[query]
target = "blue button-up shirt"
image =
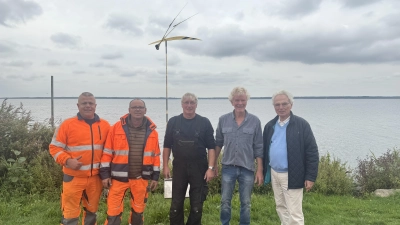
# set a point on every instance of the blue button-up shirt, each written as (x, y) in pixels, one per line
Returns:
(242, 143)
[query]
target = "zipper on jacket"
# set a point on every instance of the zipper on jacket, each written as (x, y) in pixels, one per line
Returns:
(91, 165)
(99, 131)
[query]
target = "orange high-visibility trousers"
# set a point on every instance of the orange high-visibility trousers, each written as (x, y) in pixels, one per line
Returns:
(115, 201)
(81, 189)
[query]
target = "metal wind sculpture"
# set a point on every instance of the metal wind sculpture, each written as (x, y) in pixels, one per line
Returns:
(165, 38)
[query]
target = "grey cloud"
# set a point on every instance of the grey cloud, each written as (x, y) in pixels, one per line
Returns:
(18, 63)
(160, 21)
(369, 14)
(31, 78)
(27, 78)
(78, 72)
(159, 25)
(124, 24)
(134, 73)
(155, 31)
(274, 81)
(170, 72)
(66, 40)
(392, 20)
(12, 77)
(129, 74)
(239, 16)
(164, 22)
(292, 9)
(17, 11)
(359, 45)
(53, 63)
(71, 63)
(185, 77)
(5, 48)
(358, 3)
(112, 56)
(224, 42)
(173, 60)
(103, 65)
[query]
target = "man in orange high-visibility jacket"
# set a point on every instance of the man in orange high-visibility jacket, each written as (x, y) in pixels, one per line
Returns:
(131, 157)
(77, 145)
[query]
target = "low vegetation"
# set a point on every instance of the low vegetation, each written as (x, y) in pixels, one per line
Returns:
(381, 172)
(318, 209)
(30, 183)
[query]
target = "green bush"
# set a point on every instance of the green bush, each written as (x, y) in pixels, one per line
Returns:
(17, 177)
(379, 173)
(214, 186)
(333, 177)
(23, 148)
(46, 174)
(19, 133)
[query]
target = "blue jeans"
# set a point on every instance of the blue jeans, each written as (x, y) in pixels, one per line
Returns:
(245, 179)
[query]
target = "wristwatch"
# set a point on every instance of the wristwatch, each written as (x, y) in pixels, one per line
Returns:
(211, 168)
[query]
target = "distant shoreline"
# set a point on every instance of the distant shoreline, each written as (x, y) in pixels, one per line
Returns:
(301, 97)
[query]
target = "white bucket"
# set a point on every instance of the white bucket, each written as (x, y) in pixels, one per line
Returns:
(168, 188)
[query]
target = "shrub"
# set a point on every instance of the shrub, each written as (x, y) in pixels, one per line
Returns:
(17, 177)
(379, 173)
(46, 174)
(214, 186)
(333, 177)
(18, 132)
(23, 144)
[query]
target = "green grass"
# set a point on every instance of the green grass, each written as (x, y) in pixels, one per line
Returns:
(318, 209)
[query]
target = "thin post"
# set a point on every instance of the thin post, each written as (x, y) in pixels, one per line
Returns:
(52, 103)
(166, 83)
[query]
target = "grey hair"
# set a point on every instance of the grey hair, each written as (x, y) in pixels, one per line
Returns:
(189, 96)
(137, 99)
(239, 91)
(283, 92)
(86, 94)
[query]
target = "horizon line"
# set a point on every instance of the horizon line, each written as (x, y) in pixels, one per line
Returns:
(299, 97)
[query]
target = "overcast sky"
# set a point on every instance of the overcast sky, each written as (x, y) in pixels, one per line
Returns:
(308, 47)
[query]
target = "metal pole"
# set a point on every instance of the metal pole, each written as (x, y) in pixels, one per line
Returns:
(166, 83)
(52, 103)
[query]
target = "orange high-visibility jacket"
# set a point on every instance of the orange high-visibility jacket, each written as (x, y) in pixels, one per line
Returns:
(114, 162)
(73, 138)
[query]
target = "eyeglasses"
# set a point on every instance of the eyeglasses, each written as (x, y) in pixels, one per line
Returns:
(189, 103)
(137, 107)
(284, 105)
(87, 103)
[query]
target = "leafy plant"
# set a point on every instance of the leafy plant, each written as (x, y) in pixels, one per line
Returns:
(333, 177)
(17, 176)
(379, 172)
(22, 143)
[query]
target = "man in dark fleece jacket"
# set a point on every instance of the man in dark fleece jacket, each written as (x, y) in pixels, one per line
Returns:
(290, 159)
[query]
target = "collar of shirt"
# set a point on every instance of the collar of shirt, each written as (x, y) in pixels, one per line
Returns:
(282, 123)
(245, 117)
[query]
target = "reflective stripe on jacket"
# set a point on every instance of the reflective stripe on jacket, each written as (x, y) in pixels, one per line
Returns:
(74, 138)
(114, 162)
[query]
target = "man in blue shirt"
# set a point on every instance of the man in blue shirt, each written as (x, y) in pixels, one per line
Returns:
(240, 133)
(290, 159)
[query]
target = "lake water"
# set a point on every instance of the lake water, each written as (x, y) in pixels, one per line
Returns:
(346, 128)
